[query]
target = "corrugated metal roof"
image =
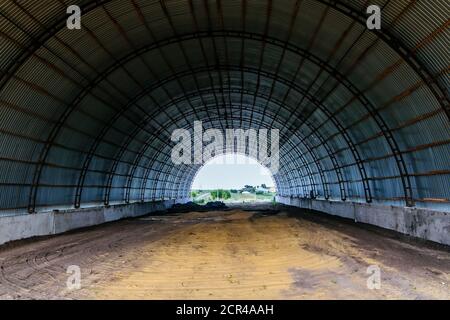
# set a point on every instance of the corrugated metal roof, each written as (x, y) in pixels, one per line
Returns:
(86, 115)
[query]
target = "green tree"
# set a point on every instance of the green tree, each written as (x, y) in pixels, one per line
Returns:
(226, 194)
(220, 194)
(194, 194)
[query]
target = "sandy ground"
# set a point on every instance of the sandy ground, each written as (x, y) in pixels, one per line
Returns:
(263, 252)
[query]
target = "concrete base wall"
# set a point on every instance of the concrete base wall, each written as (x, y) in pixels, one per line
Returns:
(422, 223)
(417, 222)
(54, 222)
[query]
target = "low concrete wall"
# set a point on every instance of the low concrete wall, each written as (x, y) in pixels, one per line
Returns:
(422, 223)
(54, 222)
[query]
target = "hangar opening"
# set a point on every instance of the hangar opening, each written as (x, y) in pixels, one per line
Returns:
(99, 120)
(233, 178)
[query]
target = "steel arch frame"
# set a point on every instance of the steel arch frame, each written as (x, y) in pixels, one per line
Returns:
(308, 56)
(194, 94)
(393, 42)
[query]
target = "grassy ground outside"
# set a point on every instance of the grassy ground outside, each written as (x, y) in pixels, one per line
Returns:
(204, 196)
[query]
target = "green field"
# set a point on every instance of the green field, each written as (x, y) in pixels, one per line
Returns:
(204, 196)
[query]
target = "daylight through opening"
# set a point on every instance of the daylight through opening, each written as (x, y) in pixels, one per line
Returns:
(233, 178)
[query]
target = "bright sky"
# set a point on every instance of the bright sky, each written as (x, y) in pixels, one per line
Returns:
(232, 172)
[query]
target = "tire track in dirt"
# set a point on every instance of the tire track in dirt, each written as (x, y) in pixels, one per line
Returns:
(257, 253)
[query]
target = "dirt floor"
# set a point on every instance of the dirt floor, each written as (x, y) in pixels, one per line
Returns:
(262, 252)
